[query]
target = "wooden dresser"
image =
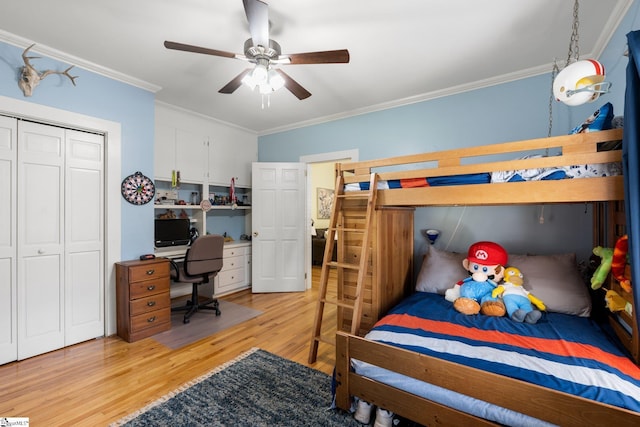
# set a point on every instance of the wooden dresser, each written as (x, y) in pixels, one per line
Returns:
(390, 274)
(143, 299)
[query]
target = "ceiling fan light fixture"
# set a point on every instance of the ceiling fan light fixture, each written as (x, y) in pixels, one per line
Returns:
(260, 74)
(275, 80)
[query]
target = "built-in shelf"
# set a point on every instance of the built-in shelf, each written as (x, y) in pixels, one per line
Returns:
(198, 207)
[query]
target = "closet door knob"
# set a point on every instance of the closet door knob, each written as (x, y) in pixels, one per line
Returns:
(40, 251)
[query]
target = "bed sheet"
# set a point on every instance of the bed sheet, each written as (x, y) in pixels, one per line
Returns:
(540, 174)
(576, 355)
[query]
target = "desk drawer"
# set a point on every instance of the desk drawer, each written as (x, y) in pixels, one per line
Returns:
(230, 277)
(150, 303)
(148, 288)
(232, 263)
(148, 271)
(231, 252)
(151, 319)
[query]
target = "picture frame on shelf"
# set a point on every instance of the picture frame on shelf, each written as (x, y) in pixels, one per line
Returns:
(325, 202)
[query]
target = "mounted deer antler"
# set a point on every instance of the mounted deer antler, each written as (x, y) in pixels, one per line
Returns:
(30, 77)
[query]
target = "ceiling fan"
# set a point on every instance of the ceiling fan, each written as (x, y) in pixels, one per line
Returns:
(265, 53)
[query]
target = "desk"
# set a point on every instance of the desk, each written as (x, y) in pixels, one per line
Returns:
(234, 276)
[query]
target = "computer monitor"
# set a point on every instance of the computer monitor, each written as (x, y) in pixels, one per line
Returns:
(172, 232)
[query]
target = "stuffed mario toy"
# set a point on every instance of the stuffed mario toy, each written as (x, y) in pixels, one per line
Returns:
(485, 264)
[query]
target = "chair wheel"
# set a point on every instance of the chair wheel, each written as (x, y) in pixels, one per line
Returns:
(186, 321)
(218, 312)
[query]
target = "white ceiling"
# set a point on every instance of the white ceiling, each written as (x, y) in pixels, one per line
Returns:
(402, 51)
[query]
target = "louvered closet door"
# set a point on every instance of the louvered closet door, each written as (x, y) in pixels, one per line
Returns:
(8, 300)
(60, 238)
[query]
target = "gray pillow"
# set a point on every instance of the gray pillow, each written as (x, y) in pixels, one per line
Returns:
(440, 271)
(555, 280)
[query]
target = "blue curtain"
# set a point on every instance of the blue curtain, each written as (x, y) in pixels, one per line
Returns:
(631, 163)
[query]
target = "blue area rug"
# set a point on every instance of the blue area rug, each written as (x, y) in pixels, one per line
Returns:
(256, 389)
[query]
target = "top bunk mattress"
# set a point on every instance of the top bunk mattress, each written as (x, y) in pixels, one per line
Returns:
(547, 178)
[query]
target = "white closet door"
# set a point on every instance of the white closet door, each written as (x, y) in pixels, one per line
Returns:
(40, 238)
(83, 242)
(8, 299)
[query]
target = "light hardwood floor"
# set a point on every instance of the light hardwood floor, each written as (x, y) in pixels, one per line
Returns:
(99, 381)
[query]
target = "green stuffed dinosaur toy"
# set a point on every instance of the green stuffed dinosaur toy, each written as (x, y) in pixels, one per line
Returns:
(606, 259)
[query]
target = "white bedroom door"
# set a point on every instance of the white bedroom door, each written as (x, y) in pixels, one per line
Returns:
(60, 291)
(278, 226)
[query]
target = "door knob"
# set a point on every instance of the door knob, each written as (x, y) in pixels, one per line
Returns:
(255, 234)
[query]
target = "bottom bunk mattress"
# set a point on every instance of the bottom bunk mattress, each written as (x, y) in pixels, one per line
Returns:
(563, 352)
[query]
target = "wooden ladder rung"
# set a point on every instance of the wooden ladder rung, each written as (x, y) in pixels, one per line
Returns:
(354, 195)
(349, 230)
(325, 340)
(343, 265)
(339, 303)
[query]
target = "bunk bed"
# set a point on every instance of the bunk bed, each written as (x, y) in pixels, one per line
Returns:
(424, 185)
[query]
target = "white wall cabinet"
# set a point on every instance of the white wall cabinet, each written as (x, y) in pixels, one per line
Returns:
(180, 150)
(231, 158)
(52, 258)
(203, 150)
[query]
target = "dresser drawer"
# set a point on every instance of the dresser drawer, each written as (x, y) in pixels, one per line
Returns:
(148, 271)
(157, 318)
(147, 304)
(148, 288)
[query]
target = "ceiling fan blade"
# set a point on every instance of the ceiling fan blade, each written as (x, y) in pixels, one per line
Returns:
(258, 16)
(293, 86)
(197, 49)
(235, 83)
(323, 57)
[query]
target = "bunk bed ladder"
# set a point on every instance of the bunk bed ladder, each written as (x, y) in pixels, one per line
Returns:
(364, 201)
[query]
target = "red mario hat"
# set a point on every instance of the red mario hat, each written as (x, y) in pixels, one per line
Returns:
(487, 253)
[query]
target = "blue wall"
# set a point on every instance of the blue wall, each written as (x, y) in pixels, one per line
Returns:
(107, 99)
(506, 112)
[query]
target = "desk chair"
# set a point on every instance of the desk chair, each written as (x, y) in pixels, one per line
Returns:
(202, 262)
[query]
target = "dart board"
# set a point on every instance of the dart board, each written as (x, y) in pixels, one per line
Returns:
(138, 189)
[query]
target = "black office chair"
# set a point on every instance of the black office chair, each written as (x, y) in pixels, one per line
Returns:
(202, 262)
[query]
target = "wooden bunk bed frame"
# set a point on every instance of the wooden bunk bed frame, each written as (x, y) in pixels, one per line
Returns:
(539, 402)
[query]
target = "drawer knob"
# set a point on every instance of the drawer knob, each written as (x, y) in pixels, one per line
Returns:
(150, 272)
(151, 287)
(151, 319)
(151, 303)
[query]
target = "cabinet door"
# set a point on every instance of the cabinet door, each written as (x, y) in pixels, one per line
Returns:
(191, 156)
(8, 300)
(164, 151)
(229, 159)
